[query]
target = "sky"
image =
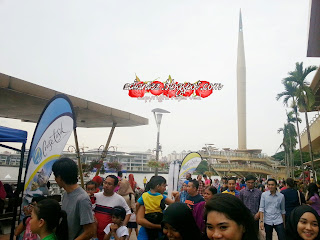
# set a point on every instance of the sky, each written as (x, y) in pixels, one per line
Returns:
(91, 49)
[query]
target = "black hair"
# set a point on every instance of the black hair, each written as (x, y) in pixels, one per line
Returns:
(179, 216)
(116, 180)
(312, 189)
(91, 183)
(67, 170)
(204, 175)
(251, 177)
(232, 178)
(119, 173)
(50, 211)
(272, 180)
(195, 183)
(156, 180)
(148, 185)
(290, 182)
(119, 211)
(234, 209)
(212, 189)
(38, 199)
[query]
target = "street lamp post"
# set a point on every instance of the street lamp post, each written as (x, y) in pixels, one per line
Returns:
(157, 112)
(209, 145)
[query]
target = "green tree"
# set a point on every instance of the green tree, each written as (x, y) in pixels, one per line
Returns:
(304, 96)
(290, 94)
(289, 141)
(202, 167)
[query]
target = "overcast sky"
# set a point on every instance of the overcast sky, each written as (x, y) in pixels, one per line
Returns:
(90, 49)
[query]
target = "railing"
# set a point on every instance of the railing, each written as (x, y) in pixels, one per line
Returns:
(238, 154)
(311, 122)
(245, 167)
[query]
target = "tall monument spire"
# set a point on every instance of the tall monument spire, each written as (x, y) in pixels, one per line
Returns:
(241, 90)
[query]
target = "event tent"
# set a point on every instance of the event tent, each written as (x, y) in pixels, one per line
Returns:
(14, 135)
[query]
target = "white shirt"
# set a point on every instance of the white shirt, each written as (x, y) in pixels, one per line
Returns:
(121, 231)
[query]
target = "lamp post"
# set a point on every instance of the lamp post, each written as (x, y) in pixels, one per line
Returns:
(101, 146)
(157, 112)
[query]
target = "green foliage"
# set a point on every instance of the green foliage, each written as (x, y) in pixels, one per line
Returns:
(202, 167)
(159, 164)
(296, 155)
(114, 166)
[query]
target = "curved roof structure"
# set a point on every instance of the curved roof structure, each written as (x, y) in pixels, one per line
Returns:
(23, 100)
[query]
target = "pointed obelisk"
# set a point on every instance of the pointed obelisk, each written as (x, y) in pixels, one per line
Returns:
(241, 90)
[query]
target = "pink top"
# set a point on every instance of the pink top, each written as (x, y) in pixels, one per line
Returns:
(207, 182)
(28, 234)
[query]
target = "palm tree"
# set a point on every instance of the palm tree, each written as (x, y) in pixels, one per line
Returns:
(292, 136)
(285, 146)
(290, 93)
(289, 142)
(304, 96)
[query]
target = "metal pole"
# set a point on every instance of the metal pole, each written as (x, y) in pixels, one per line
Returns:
(78, 156)
(19, 190)
(105, 150)
(157, 151)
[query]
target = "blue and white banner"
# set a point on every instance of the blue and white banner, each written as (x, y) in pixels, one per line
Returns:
(189, 165)
(53, 130)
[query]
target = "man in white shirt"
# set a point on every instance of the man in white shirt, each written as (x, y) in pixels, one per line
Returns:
(105, 202)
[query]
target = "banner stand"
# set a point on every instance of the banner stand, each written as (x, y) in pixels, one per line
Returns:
(105, 150)
(78, 156)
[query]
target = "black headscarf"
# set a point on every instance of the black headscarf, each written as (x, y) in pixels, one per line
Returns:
(179, 216)
(292, 224)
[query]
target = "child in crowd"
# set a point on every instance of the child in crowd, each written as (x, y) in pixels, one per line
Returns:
(126, 192)
(25, 223)
(116, 230)
(91, 188)
(47, 216)
(99, 182)
(183, 193)
(132, 224)
(154, 202)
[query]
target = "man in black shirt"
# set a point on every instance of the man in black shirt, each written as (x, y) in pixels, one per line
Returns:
(293, 198)
(193, 198)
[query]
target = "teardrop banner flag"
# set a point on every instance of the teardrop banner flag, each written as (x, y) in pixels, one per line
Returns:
(189, 165)
(53, 130)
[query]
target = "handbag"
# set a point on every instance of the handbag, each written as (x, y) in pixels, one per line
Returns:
(299, 197)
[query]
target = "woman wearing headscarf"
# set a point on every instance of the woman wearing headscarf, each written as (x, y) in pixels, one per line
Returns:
(198, 212)
(178, 223)
(126, 192)
(313, 198)
(303, 224)
(132, 182)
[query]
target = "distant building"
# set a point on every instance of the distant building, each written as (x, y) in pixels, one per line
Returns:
(177, 156)
(132, 161)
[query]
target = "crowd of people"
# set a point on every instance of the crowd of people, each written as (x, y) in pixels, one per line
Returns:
(232, 209)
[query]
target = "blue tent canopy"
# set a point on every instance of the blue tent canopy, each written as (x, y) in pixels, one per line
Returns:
(12, 135)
